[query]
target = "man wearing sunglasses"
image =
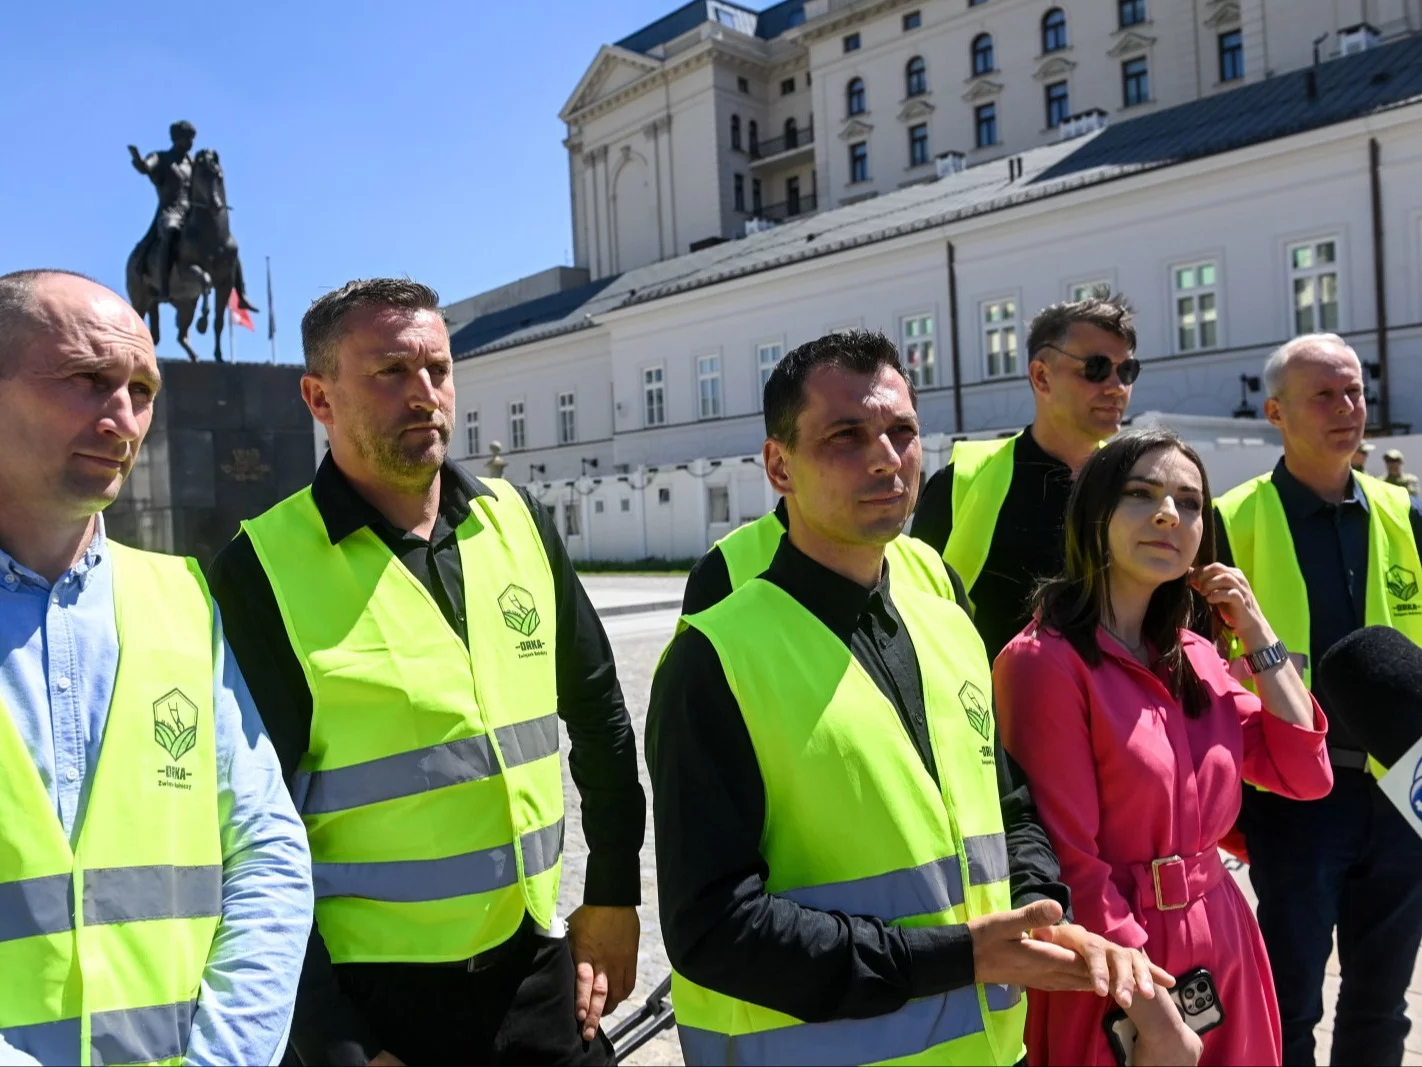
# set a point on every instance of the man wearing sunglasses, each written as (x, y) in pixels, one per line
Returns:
(995, 512)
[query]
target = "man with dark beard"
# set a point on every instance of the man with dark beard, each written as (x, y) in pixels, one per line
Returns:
(412, 635)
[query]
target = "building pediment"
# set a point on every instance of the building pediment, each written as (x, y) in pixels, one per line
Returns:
(1225, 13)
(982, 89)
(613, 69)
(1056, 67)
(855, 129)
(1131, 42)
(916, 108)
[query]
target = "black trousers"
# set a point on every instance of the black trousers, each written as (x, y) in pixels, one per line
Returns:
(517, 1010)
(1348, 860)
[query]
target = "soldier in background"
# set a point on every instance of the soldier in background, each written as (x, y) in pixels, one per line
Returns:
(1395, 474)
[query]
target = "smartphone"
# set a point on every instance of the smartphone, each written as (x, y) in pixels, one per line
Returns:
(1194, 995)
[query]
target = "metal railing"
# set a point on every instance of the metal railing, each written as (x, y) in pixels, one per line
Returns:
(788, 209)
(773, 146)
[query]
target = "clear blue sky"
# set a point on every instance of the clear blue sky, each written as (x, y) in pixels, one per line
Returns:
(415, 137)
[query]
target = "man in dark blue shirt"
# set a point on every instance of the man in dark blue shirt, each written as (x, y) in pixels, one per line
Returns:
(1347, 860)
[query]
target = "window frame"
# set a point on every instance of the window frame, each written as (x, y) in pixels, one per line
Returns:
(922, 373)
(791, 133)
(987, 328)
(1056, 116)
(1235, 54)
(912, 20)
(981, 51)
(572, 519)
(1084, 288)
(1312, 273)
(518, 425)
(738, 192)
(753, 137)
(919, 155)
(1138, 13)
(787, 85)
(858, 162)
(714, 377)
(1130, 79)
(1194, 293)
(757, 202)
(856, 97)
(762, 371)
(471, 432)
(793, 196)
(650, 387)
(735, 133)
(915, 77)
(1054, 30)
(725, 493)
(567, 417)
(852, 42)
(985, 113)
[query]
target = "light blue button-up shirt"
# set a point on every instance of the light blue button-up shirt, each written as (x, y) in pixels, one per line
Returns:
(58, 660)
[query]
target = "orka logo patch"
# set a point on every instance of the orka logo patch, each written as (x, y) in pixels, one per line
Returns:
(175, 724)
(1401, 582)
(976, 705)
(520, 615)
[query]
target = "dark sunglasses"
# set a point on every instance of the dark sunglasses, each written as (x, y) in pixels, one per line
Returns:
(1096, 369)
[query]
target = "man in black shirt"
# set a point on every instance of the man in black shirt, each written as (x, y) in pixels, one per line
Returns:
(379, 378)
(843, 449)
(1000, 525)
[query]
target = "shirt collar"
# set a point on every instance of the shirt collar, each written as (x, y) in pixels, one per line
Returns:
(83, 569)
(344, 510)
(1027, 450)
(1301, 502)
(835, 600)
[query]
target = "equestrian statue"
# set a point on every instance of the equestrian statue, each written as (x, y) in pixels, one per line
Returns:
(189, 249)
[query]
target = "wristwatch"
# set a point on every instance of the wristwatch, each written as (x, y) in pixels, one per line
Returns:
(1266, 658)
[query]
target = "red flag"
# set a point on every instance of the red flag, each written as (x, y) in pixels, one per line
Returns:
(239, 313)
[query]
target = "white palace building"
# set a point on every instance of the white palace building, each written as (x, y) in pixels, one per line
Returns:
(743, 182)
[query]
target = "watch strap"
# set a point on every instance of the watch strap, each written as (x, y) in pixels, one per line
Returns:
(1266, 658)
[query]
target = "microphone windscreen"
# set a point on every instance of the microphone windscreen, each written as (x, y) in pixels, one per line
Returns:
(1371, 681)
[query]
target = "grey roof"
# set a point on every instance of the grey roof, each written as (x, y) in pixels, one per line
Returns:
(777, 19)
(770, 23)
(1349, 87)
(531, 314)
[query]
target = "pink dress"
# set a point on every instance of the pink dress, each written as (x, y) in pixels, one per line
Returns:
(1121, 777)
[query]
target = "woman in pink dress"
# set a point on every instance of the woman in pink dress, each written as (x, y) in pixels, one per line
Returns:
(1135, 738)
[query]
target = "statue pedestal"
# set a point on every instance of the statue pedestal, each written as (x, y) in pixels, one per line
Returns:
(228, 441)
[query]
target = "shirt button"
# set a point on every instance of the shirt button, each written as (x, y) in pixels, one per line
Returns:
(63, 682)
(54, 599)
(71, 775)
(10, 579)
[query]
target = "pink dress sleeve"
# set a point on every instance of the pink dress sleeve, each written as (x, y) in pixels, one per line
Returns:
(1043, 714)
(1279, 756)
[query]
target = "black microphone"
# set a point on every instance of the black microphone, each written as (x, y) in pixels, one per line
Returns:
(1371, 682)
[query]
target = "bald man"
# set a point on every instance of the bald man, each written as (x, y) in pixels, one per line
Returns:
(154, 878)
(1328, 550)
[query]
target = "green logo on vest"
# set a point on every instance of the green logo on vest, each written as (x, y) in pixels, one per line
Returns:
(519, 613)
(1401, 582)
(175, 724)
(975, 704)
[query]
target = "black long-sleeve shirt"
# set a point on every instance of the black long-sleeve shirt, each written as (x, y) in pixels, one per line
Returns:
(1027, 542)
(603, 759)
(721, 928)
(1331, 546)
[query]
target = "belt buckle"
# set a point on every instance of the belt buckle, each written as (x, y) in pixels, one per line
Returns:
(1155, 866)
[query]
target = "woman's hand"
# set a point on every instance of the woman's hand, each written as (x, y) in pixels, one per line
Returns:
(1227, 591)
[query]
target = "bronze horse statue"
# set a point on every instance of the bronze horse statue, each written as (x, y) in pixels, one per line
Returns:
(207, 259)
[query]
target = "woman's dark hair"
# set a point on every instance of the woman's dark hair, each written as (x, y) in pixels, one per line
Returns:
(1074, 603)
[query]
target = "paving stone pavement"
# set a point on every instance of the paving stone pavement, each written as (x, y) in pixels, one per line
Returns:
(637, 642)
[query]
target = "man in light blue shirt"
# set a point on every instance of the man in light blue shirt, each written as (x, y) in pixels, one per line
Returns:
(78, 376)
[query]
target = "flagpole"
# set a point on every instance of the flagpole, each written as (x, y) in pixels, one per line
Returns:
(271, 313)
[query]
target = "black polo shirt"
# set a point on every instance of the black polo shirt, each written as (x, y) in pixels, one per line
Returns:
(1331, 545)
(721, 928)
(603, 760)
(1027, 541)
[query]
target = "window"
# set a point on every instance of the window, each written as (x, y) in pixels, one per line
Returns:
(572, 519)
(792, 195)
(725, 17)
(912, 21)
(975, 3)
(1196, 307)
(567, 419)
(985, 124)
(859, 161)
(743, 85)
(1000, 338)
(1135, 82)
(1054, 37)
(851, 43)
(916, 77)
(982, 54)
(471, 433)
(654, 396)
(739, 183)
(735, 133)
(718, 503)
(625, 504)
(1058, 107)
(1231, 56)
(664, 494)
(787, 86)
(708, 387)
(918, 145)
(517, 436)
(753, 137)
(1132, 12)
(917, 345)
(1313, 273)
(597, 507)
(792, 134)
(1085, 290)
(755, 196)
(854, 100)
(766, 357)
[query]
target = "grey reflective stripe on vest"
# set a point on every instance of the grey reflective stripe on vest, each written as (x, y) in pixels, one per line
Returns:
(36, 906)
(987, 858)
(45, 905)
(135, 894)
(130, 1035)
(923, 890)
(916, 1027)
(413, 881)
(408, 774)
